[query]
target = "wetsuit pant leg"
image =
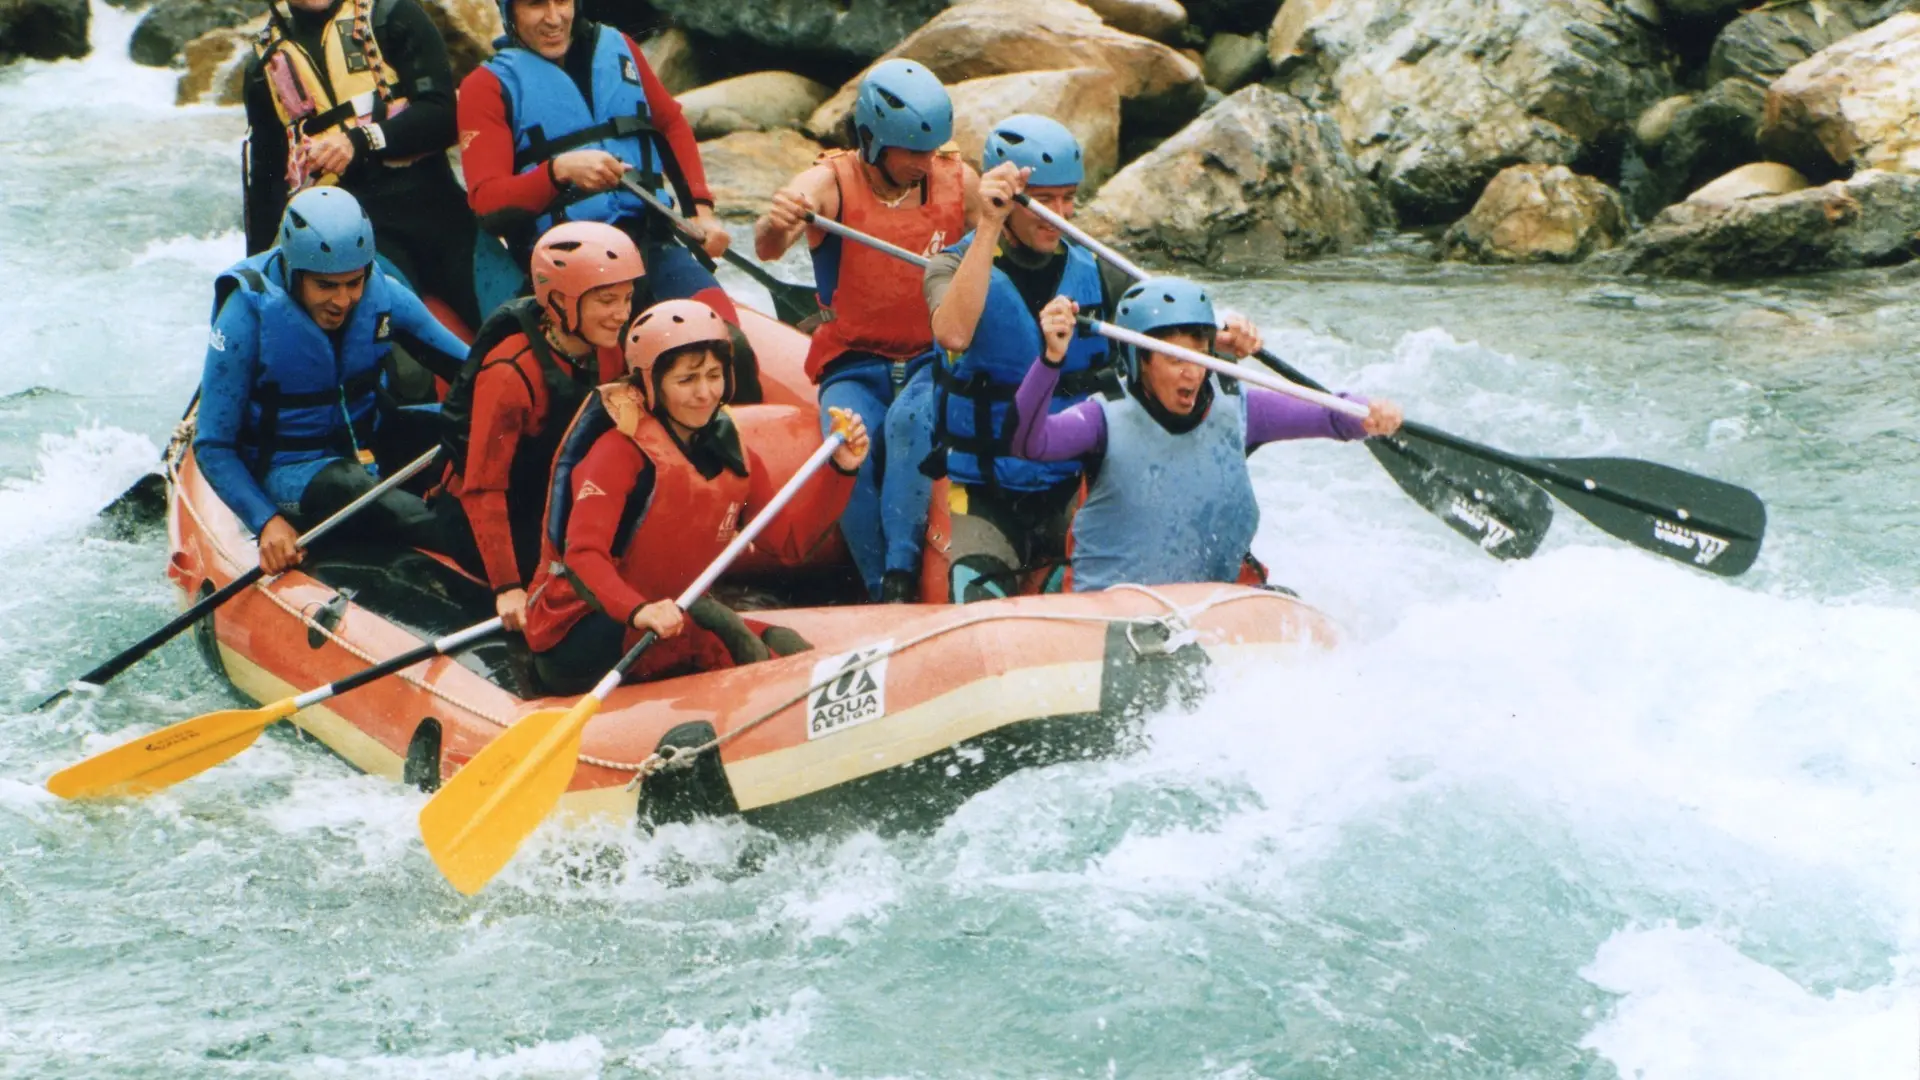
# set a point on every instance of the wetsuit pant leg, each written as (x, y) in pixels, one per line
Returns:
(674, 274)
(397, 518)
(905, 490)
(1002, 536)
(582, 658)
(865, 386)
(456, 539)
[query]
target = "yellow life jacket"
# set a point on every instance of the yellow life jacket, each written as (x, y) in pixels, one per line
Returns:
(364, 86)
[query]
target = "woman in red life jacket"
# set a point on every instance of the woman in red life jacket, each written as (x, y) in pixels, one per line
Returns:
(534, 362)
(650, 485)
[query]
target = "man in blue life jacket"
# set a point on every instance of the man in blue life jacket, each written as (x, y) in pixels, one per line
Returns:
(1010, 516)
(290, 397)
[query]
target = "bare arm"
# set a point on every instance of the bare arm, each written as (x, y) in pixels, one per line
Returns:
(777, 229)
(959, 311)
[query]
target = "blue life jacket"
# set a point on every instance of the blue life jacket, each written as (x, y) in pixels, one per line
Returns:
(973, 418)
(314, 395)
(550, 117)
(1166, 508)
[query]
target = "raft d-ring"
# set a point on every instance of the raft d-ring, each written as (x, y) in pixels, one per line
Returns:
(1178, 636)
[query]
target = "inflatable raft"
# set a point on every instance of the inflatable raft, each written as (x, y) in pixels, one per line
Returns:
(897, 714)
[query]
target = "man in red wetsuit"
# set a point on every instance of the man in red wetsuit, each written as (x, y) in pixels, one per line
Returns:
(552, 122)
(534, 362)
(650, 485)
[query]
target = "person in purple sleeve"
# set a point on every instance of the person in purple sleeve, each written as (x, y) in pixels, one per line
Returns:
(1169, 498)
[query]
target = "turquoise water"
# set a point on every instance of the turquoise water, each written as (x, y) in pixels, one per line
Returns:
(1586, 816)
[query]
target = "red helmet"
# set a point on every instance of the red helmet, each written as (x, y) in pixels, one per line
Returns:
(577, 256)
(667, 326)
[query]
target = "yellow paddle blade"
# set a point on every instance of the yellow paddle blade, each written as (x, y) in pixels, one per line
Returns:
(167, 756)
(476, 822)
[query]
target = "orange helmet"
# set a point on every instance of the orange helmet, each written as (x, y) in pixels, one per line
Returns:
(669, 325)
(577, 256)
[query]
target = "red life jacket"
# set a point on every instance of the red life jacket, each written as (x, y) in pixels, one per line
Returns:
(876, 305)
(688, 520)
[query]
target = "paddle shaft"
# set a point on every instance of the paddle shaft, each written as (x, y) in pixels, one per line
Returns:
(747, 266)
(1231, 370)
(453, 642)
(145, 645)
(719, 565)
(846, 232)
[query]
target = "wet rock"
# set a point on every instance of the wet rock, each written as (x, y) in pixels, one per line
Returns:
(1231, 16)
(1853, 104)
(216, 65)
(1870, 220)
(1656, 123)
(1161, 20)
(745, 169)
(1712, 133)
(1538, 213)
(672, 56)
(1258, 180)
(856, 30)
(42, 29)
(1435, 98)
(1761, 45)
(763, 101)
(1234, 60)
(170, 24)
(1159, 88)
(1086, 100)
(1289, 26)
(1760, 179)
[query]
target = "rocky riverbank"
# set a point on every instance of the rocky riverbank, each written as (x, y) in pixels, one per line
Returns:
(1684, 137)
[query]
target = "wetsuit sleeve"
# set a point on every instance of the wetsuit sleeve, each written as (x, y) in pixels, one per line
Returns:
(423, 336)
(412, 44)
(1074, 432)
(502, 413)
(814, 512)
(487, 160)
(1273, 417)
(265, 162)
(672, 124)
(939, 278)
(226, 381)
(614, 466)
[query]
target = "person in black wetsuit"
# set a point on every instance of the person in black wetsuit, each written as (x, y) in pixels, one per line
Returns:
(360, 93)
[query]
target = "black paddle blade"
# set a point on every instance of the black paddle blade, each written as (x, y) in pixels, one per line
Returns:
(1493, 506)
(1708, 524)
(792, 304)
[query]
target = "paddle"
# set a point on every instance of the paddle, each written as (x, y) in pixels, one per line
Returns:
(484, 812)
(191, 747)
(1484, 501)
(791, 302)
(1697, 520)
(99, 676)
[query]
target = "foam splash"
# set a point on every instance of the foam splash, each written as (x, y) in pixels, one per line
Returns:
(759, 1049)
(78, 475)
(210, 254)
(582, 1056)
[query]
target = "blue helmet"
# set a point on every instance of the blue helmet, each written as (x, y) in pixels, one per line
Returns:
(902, 104)
(1038, 143)
(324, 231)
(1161, 303)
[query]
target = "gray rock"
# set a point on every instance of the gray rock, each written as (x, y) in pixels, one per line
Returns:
(170, 24)
(1435, 98)
(1870, 220)
(42, 29)
(1760, 46)
(1234, 60)
(842, 29)
(1711, 135)
(762, 101)
(1538, 213)
(1256, 181)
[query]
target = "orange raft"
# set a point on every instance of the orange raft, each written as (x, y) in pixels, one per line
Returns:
(897, 714)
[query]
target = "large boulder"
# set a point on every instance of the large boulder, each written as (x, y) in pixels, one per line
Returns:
(1159, 88)
(469, 27)
(1758, 180)
(170, 24)
(1435, 98)
(1256, 180)
(1762, 44)
(675, 59)
(1234, 60)
(1870, 220)
(216, 65)
(745, 169)
(856, 30)
(1161, 20)
(1703, 136)
(1538, 213)
(42, 29)
(1086, 100)
(762, 101)
(1852, 104)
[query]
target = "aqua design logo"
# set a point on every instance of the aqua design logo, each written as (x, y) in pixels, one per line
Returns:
(1708, 548)
(850, 690)
(1493, 531)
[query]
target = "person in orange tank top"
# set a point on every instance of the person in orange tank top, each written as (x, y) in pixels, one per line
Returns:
(870, 353)
(651, 483)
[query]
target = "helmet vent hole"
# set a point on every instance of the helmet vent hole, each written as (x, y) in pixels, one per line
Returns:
(326, 247)
(1048, 158)
(1012, 137)
(565, 245)
(893, 100)
(298, 221)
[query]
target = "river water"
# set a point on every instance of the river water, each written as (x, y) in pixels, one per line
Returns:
(1584, 816)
